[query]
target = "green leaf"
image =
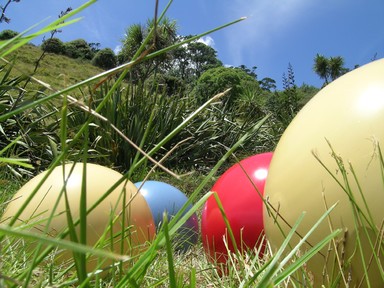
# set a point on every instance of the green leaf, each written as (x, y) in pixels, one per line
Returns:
(17, 161)
(61, 243)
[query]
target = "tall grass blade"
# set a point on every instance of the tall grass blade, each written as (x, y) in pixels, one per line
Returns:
(273, 267)
(14, 161)
(61, 243)
(304, 258)
(17, 161)
(109, 72)
(19, 41)
(168, 246)
(270, 278)
(146, 258)
(227, 224)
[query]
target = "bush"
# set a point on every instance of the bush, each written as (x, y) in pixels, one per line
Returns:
(218, 79)
(105, 59)
(167, 84)
(78, 49)
(7, 34)
(53, 45)
(34, 128)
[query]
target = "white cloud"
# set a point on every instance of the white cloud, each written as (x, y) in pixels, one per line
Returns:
(207, 40)
(117, 49)
(266, 20)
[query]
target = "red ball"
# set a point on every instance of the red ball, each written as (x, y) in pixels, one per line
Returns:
(240, 191)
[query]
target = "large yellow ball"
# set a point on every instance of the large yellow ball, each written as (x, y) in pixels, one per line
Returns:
(138, 221)
(349, 113)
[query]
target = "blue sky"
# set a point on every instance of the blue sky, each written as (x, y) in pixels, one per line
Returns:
(275, 33)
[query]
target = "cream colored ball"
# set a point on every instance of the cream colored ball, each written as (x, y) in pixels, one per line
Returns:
(349, 113)
(49, 199)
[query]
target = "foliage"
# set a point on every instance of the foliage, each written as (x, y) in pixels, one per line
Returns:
(32, 128)
(7, 34)
(250, 104)
(53, 45)
(78, 48)
(167, 84)
(95, 47)
(102, 125)
(250, 71)
(284, 105)
(305, 93)
(134, 37)
(145, 116)
(190, 61)
(148, 38)
(105, 59)
(267, 84)
(218, 79)
(330, 68)
(291, 95)
(216, 131)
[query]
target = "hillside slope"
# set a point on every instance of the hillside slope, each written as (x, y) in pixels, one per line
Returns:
(57, 70)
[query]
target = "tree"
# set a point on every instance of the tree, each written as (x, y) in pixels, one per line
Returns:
(321, 67)
(251, 72)
(267, 84)
(53, 45)
(285, 104)
(134, 37)
(78, 48)
(191, 60)
(166, 84)
(336, 67)
(7, 34)
(291, 101)
(160, 37)
(95, 47)
(329, 69)
(218, 79)
(105, 59)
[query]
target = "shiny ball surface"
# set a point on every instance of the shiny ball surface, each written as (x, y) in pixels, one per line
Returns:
(163, 197)
(104, 220)
(240, 190)
(341, 127)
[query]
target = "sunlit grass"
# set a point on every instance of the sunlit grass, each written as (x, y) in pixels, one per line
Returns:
(159, 265)
(57, 70)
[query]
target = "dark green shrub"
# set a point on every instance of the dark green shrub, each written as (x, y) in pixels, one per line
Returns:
(218, 79)
(167, 84)
(105, 59)
(7, 34)
(53, 45)
(143, 116)
(34, 128)
(78, 49)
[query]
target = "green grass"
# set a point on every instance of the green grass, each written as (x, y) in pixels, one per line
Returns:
(56, 70)
(159, 265)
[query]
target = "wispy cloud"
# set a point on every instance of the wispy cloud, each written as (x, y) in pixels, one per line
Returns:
(207, 40)
(117, 49)
(266, 19)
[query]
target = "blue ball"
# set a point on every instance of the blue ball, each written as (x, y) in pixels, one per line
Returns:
(163, 197)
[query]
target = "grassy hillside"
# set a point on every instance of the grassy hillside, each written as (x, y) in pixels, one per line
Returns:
(57, 70)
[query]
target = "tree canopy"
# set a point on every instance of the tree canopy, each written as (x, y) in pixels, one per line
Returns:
(191, 60)
(160, 36)
(218, 79)
(105, 59)
(330, 68)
